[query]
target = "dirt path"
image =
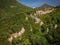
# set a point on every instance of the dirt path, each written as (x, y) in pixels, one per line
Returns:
(37, 20)
(17, 34)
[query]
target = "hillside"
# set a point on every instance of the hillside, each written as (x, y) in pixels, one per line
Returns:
(12, 19)
(19, 25)
(52, 21)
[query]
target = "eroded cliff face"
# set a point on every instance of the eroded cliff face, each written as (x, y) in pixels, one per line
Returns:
(41, 12)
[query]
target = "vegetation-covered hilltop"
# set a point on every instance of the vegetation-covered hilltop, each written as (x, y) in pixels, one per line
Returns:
(44, 7)
(19, 26)
(13, 6)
